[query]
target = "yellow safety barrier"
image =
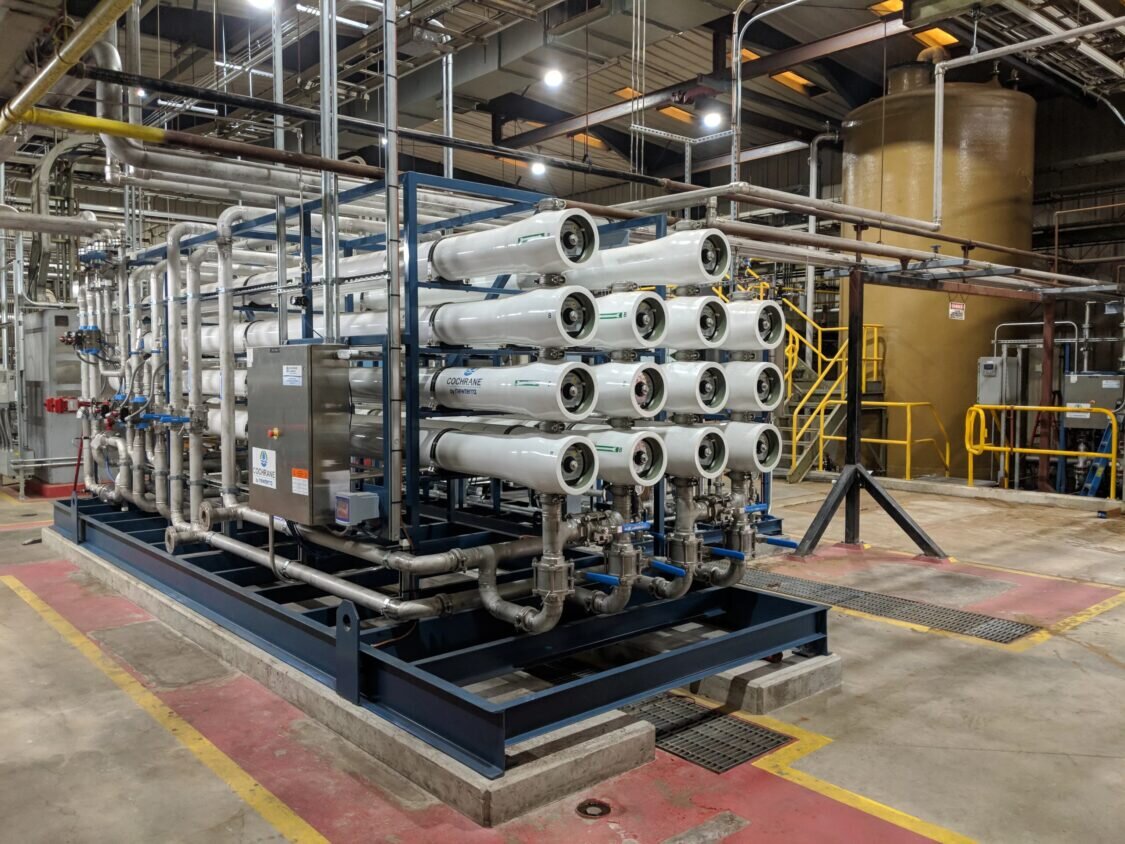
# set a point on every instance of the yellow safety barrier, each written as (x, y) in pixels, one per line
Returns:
(908, 441)
(872, 362)
(975, 421)
(841, 362)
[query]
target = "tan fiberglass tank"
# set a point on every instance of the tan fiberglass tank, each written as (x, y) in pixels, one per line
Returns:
(987, 195)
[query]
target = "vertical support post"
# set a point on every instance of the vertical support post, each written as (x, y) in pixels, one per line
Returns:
(854, 404)
(410, 337)
(306, 275)
(1046, 393)
(279, 144)
(392, 361)
(329, 182)
(447, 113)
(658, 491)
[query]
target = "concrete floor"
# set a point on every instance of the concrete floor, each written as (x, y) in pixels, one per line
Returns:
(931, 736)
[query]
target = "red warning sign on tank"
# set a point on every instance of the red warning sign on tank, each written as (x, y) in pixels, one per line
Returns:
(957, 310)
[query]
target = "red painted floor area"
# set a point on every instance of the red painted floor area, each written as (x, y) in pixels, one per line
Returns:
(1025, 597)
(269, 739)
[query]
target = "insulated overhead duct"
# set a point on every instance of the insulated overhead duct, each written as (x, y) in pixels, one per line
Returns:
(695, 387)
(562, 392)
(552, 242)
(698, 257)
(756, 326)
(627, 457)
(752, 446)
(636, 320)
(697, 322)
(564, 464)
(754, 386)
(693, 452)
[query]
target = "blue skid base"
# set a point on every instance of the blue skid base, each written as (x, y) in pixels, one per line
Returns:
(416, 682)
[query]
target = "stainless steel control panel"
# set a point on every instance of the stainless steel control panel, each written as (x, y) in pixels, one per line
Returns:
(300, 407)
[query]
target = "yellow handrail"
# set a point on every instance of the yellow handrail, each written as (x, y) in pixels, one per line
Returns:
(841, 361)
(976, 446)
(908, 441)
(871, 363)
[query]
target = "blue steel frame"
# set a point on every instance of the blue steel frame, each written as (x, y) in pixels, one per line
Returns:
(417, 681)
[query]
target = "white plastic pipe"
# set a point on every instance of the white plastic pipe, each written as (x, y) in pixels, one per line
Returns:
(698, 451)
(562, 392)
(697, 322)
(630, 390)
(627, 457)
(695, 387)
(755, 326)
(546, 243)
(547, 317)
(752, 446)
(754, 386)
(636, 320)
(565, 464)
(694, 257)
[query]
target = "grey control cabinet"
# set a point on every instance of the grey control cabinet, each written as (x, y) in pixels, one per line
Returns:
(1083, 390)
(997, 380)
(299, 403)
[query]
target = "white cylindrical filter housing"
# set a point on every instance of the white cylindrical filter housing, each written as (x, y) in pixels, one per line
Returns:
(628, 457)
(754, 386)
(550, 242)
(755, 326)
(636, 320)
(697, 322)
(566, 464)
(697, 257)
(696, 451)
(561, 392)
(753, 446)
(550, 317)
(215, 423)
(212, 382)
(695, 387)
(630, 390)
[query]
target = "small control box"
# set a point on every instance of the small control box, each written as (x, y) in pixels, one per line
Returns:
(353, 508)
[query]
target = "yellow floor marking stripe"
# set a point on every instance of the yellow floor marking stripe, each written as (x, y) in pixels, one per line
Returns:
(256, 795)
(779, 763)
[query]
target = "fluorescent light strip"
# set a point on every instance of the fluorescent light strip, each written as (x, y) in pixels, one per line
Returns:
(182, 106)
(241, 69)
(309, 10)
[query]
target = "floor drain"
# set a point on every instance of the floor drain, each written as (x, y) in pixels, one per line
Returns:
(593, 809)
(966, 623)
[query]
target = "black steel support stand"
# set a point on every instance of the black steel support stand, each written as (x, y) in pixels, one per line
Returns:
(853, 477)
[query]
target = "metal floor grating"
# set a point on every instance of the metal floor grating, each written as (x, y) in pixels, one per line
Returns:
(707, 737)
(973, 624)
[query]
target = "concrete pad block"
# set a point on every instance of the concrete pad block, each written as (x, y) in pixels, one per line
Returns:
(540, 770)
(760, 686)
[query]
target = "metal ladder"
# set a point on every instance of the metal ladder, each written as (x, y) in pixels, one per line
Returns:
(1098, 466)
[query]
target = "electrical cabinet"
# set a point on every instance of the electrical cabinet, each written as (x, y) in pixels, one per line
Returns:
(1091, 389)
(299, 421)
(997, 380)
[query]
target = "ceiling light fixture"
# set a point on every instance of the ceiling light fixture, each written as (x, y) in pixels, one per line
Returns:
(712, 119)
(538, 168)
(553, 78)
(261, 4)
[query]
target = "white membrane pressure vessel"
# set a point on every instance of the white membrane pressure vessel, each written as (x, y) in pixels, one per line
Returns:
(628, 457)
(695, 387)
(550, 317)
(561, 392)
(754, 386)
(566, 464)
(696, 322)
(755, 326)
(550, 242)
(635, 320)
(698, 451)
(212, 379)
(630, 390)
(696, 257)
(752, 446)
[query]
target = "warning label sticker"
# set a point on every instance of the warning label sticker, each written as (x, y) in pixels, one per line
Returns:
(263, 464)
(299, 478)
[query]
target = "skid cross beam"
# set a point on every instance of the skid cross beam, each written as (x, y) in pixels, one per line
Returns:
(854, 477)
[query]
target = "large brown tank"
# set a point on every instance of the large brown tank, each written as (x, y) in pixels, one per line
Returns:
(987, 195)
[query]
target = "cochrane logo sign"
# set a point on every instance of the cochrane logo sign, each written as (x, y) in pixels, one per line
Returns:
(465, 384)
(264, 464)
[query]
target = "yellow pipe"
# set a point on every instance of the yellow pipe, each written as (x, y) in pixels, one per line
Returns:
(96, 24)
(92, 125)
